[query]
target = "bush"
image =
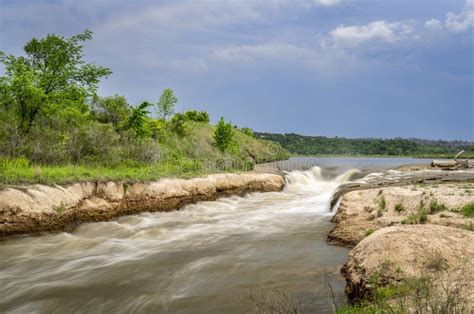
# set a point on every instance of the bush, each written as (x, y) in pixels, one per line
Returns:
(197, 116)
(436, 207)
(248, 132)
(468, 210)
(419, 217)
(399, 207)
(223, 135)
(178, 124)
(113, 109)
(382, 202)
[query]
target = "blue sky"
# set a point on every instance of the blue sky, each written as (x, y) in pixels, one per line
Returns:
(353, 68)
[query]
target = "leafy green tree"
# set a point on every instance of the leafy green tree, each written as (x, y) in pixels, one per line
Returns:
(52, 71)
(113, 109)
(138, 120)
(247, 131)
(178, 124)
(198, 116)
(166, 104)
(223, 135)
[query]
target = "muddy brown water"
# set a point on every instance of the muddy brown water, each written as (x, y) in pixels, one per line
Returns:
(207, 258)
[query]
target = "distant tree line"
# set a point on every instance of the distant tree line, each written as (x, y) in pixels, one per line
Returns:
(321, 145)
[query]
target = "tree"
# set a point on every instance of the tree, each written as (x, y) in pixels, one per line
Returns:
(248, 132)
(166, 104)
(53, 71)
(198, 116)
(138, 120)
(113, 109)
(223, 135)
(178, 124)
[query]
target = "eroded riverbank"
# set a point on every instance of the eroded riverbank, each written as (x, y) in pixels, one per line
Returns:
(26, 209)
(206, 257)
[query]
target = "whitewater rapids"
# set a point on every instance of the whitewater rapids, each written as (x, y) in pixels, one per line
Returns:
(204, 258)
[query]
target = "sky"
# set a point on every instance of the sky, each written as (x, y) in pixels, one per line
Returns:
(352, 68)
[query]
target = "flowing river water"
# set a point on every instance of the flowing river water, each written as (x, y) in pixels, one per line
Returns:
(206, 258)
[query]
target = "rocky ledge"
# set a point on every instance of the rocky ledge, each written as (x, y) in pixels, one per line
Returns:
(362, 212)
(406, 225)
(37, 208)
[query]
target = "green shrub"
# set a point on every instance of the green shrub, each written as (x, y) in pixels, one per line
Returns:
(419, 217)
(399, 207)
(247, 131)
(436, 207)
(197, 116)
(178, 124)
(223, 135)
(382, 202)
(468, 210)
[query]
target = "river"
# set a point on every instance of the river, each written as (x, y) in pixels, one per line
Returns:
(206, 258)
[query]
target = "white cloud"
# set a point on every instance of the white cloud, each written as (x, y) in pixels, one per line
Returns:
(456, 23)
(327, 2)
(376, 31)
(460, 22)
(434, 24)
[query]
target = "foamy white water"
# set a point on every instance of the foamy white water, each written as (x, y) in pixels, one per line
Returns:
(204, 258)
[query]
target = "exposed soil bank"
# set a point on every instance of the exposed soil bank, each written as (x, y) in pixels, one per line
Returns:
(39, 208)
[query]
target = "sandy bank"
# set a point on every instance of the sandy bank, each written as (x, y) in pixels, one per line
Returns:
(40, 208)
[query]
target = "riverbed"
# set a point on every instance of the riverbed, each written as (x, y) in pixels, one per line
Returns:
(206, 258)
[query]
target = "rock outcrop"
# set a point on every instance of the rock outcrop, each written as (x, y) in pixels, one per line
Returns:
(364, 211)
(40, 208)
(399, 252)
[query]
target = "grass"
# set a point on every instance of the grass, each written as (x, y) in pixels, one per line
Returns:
(469, 226)
(427, 292)
(399, 207)
(382, 203)
(368, 232)
(468, 210)
(419, 217)
(437, 262)
(436, 207)
(183, 168)
(60, 208)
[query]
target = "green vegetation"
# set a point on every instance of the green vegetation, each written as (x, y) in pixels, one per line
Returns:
(223, 135)
(399, 208)
(368, 232)
(321, 146)
(436, 207)
(419, 217)
(382, 203)
(435, 290)
(413, 295)
(55, 128)
(60, 208)
(468, 210)
(166, 104)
